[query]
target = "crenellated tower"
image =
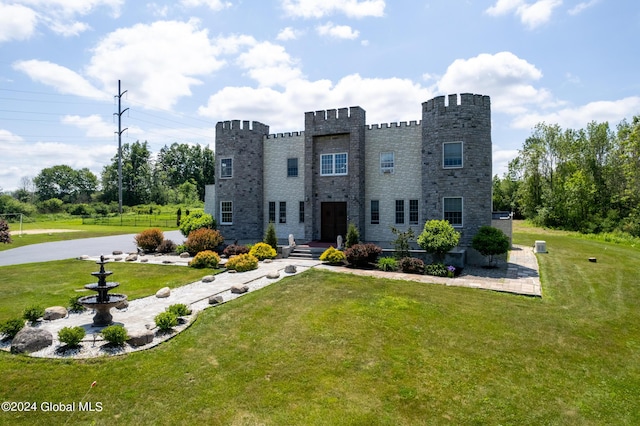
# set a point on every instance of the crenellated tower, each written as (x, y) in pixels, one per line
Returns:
(456, 161)
(239, 192)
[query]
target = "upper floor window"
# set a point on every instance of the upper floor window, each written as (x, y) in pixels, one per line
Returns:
(452, 210)
(226, 168)
(333, 164)
(292, 167)
(387, 162)
(452, 155)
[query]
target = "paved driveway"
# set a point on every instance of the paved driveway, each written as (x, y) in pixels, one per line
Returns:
(60, 250)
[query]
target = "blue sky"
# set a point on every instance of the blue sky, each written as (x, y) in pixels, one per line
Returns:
(187, 64)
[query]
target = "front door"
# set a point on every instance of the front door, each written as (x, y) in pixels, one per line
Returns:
(333, 221)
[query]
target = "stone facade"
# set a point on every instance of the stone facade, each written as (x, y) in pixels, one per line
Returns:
(345, 168)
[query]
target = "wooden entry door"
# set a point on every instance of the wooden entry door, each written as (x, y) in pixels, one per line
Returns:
(333, 221)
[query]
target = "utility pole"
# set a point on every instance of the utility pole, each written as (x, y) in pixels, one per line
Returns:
(120, 130)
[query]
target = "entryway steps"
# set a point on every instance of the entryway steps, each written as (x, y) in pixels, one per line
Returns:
(306, 252)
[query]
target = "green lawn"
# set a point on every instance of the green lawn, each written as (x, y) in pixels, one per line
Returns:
(324, 348)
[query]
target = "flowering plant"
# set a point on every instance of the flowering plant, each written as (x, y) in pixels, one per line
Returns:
(451, 271)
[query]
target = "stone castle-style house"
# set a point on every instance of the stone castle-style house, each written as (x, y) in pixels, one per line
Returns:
(340, 170)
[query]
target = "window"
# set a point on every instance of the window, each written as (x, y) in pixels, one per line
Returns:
(387, 162)
(272, 212)
(292, 167)
(375, 211)
(283, 212)
(452, 210)
(226, 168)
(226, 212)
(333, 164)
(399, 211)
(413, 212)
(301, 212)
(452, 155)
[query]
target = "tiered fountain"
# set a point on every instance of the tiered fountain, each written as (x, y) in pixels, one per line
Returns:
(103, 302)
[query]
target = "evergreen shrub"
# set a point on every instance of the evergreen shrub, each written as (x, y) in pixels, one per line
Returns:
(203, 239)
(71, 336)
(353, 236)
(114, 334)
(242, 262)
(179, 309)
(270, 236)
(11, 327)
(150, 239)
(166, 320)
(195, 221)
(205, 259)
(333, 255)
(33, 313)
(263, 251)
(436, 269)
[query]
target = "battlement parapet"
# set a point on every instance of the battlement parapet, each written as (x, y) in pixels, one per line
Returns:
(334, 114)
(412, 123)
(285, 135)
(230, 126)
(451, 102)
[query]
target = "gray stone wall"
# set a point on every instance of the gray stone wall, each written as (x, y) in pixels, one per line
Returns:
(469, 121)
(242, 141)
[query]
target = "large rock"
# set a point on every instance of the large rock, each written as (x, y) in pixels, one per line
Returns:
(163, 293)
(185, 255)
(273, 275)
(31, 340)
(131, 258)
(214, 300)
(140, 337)
(208, 279)
(239, 288)
(54, 313)
(290, 269)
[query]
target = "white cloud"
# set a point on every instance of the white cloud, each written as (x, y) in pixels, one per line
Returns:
(269, 64)
(16, 22)
(214, 5)
(160, 60)
(503, 76)
(7, 137)
(287, 33)
(578, 117)
(61, 78)
(337, 31)
(94, 125)
(531, 14)
(579, 8)
(321, 8)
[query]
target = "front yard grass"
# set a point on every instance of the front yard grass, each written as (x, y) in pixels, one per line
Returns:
(326, 348)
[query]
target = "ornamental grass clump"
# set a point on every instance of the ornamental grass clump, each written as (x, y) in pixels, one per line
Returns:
(71, 336)
(263, 251)
(205, 259)
(242, 262)
(75, 305)
(387, 264)
(333, 256)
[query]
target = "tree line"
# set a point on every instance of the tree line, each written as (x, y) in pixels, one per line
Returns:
(178, 174)
(585, 180)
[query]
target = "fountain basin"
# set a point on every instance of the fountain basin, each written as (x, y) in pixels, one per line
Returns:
(103, 315)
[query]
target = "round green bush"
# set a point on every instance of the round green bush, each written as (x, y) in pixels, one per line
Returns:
(71, 336)
(196, 220)
(263, 251)
(333, 255)
(490, 241)
(438, 237)
(33, 313)
(166, 320)
(114, 334)
(242, 262)
(205, 259)
(179, 309)
(11, 327)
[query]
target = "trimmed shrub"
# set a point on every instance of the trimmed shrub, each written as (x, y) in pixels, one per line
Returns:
(195, 221)
(263, 251)
(437, 270)
(353, 236)
(333, 255)
(203, 239)
(150, 239)
(242, 262)
(166, 246)
(362, 254)
(490, 241)
(11, 327)
(387, 264)
(5, 235)
(165, 321)
(270, 236)
(205, 259)
(74, 305)
(437, 238)
(71, 336)
(33, 313)
(234, 249)
(114, 334)
(179, 309)
(412, 265)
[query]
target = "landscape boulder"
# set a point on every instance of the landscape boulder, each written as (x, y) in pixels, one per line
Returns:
(163, 293)
(214, 300)
(54, 313)
(239, 288)
(131, 258)
(122, 305)
(31, 340)
(117, 252)
(208, 279)
(140, 337)
(185, 255)
(273, 275)
(290, 269)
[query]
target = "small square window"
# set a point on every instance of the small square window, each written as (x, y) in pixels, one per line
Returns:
(292, 167)
(399, 212)
(452, 155)
(226, 212)
(452, 210)
(226, 168)
(375, 212)
(387, 162)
